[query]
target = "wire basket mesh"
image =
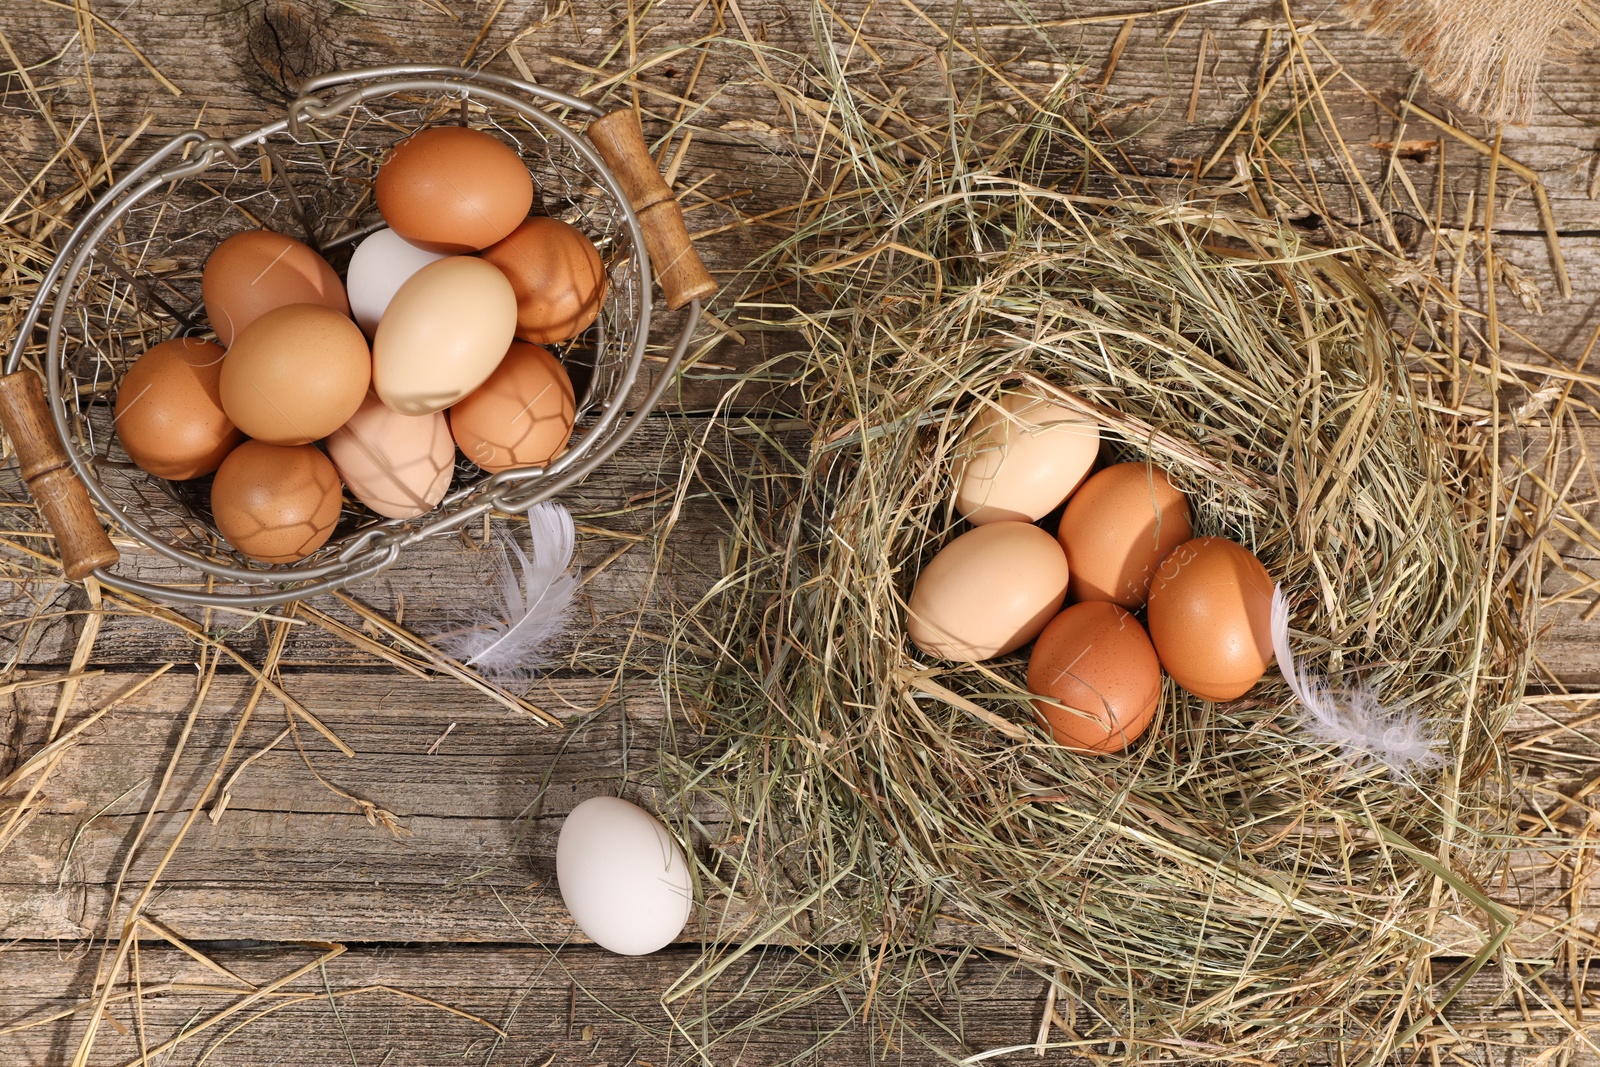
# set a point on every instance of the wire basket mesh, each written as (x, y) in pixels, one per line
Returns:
(129, 278)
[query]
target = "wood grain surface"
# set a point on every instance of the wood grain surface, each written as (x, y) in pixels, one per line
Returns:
(454, 899)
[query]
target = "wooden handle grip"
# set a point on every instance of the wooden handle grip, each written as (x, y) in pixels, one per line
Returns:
(620, 142)
(63, 501)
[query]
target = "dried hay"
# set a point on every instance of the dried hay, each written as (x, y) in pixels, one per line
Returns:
(1229, 885)
(871, 935)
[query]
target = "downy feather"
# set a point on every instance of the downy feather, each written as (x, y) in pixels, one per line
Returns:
(535, 592)
(1366, 730)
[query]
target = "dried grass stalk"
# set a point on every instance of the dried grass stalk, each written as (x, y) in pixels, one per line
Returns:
(1229, 882)
(1488, 54)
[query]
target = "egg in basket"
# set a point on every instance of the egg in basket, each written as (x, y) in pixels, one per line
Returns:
(278, 359)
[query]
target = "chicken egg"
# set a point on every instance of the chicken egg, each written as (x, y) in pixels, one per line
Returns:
(1099, 672)
(453, 189)
(295, 375)
(444, 333)
(1117, 527)
(557, 275)
(397, 465)
(622, 876)
(1211, 617)
(988, 592)
(521, 417)
(169, 414)
(1021, 458)
(253, 272)
(276, 503)
(380, 265)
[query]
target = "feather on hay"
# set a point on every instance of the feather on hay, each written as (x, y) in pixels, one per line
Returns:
(1366, 730)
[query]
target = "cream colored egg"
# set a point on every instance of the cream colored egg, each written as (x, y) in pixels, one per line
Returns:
(1021, 458)
(442, 335)
(397, 465)
(988, 592)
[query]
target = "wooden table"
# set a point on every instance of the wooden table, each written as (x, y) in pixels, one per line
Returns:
(457, 902)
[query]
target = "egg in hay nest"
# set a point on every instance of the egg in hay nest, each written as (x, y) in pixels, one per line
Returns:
(1171, 856)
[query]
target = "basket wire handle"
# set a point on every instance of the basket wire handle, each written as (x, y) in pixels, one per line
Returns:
(80, 539)
(620, 142)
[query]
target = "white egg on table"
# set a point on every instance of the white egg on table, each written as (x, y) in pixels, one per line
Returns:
(622, 876)
(379, 266)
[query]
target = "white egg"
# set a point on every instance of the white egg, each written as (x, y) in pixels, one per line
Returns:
(622, 876)
(379, 266)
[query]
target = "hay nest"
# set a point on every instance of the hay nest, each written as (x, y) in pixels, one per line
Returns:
(1229, 881)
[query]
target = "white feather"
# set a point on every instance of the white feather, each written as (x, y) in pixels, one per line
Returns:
(535, 597)
(1366, 730)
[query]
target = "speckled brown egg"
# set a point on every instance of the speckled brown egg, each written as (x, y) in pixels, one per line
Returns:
(557, 275)
(1097, 670)
(1211, 617)
(1117, 527)
(253, 272)
(453, 189)
(296, 374)
(169, 414)
(988, 592)
(521, 416)
(276, 503)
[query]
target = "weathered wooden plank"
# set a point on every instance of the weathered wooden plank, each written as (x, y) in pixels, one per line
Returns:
(477, 792)
(580, 1005)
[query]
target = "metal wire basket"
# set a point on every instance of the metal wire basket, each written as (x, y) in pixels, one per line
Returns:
(128, 277)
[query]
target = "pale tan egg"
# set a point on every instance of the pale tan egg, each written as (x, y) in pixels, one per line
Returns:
(988, 592)
(1020, 458)
(443, 334)
(397, 465)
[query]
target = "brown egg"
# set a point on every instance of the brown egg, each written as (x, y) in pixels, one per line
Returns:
(253, 272)
(296, 374)
(276, 503)
(1211, 617)
(1117, 527)
(453, 189)
(557, 275)
(988, 592)
(521, 416)
(1096, 665)
(169, 414)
